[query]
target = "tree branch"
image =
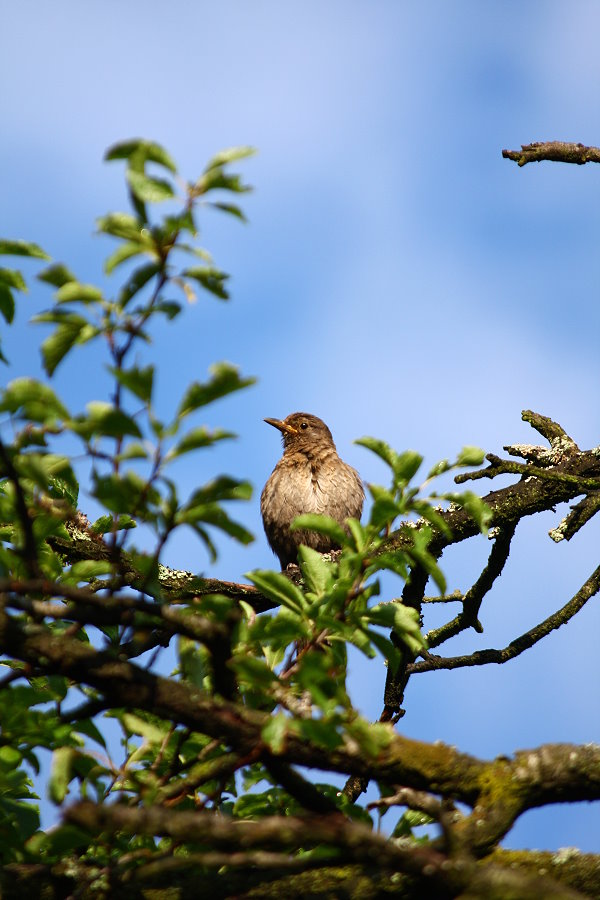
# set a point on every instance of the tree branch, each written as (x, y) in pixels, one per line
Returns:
(555, 151)
(520, 644)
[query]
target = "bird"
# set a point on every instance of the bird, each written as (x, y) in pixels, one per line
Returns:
(310, 477)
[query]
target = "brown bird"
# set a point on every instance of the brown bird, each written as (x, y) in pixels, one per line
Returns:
(309, 478)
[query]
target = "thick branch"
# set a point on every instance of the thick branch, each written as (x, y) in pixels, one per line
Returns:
(555, 151)
(436, 768)
(565, 474)
(351, 841)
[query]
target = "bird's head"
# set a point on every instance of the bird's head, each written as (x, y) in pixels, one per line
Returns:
(303, 432)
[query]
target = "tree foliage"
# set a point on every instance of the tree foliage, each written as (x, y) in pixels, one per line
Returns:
(202, 795)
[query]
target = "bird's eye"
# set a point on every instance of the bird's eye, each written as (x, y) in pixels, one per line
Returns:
(304, 426)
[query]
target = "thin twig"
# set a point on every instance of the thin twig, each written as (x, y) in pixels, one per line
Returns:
(521, 643)
(468, 617)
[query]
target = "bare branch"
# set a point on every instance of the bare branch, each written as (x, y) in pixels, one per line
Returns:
(473, 599)
(555, 151)
(521, 643)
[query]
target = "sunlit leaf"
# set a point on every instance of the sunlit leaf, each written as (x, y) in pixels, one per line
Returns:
(33, 400)
(21, 248)
(470, 456)
(138, 381)
(212, 280)
(278, 588)
(322, 525)
(60, 773)
(74, 292)
(57, 275)
(142, 150)
(225, 379)
(108, 523)
(231, 154)
(68, 333)
(12, 278)
(123, 252)
(197, 438)
(274, 732)
(126, 226)
(149, 189)
(136, 281)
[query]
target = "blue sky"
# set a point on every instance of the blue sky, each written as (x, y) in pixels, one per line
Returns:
(397, 278)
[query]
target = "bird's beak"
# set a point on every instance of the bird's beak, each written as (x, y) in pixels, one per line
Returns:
(281, 426)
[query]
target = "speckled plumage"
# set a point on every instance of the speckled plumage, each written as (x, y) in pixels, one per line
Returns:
(309, 478)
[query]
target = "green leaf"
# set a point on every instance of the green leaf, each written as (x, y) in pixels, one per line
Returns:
(232, 209)
(141, 151)
(64, 488)
(420, 554)
(394, 615)
(213, 514)
(278, 588)
(385, 647)
(384, 509)
(211, 279)
(194, 662)
(126, 226)
(470, 456)
(10, 757)
(134, 450)
(254, 671)
(149, 189)
(380, 448)
(123, 252)
(407, 465)
(170, 308)
(222, 488)
(55, 348)
(12, 279)
(56, 275)
(21, 248)
(198, 437)
(217, 179)
(108, 523)
(137, 280)
(86, 570)
(120, 493)
(438, 469)
(61, 773)
(138, 381)
(322, 525)
(153, 733)
(7, 304)
(404, 465)
(231, 154)
(317, 573)
(274, 732)
(33, 400)
(225, 380)
(319, 732)
(472, 503)
(390, 561)
(105, 419)
(359, 534)
(74, 292)
(44, 468)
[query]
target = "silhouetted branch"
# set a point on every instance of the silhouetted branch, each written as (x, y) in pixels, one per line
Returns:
(521, 643)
